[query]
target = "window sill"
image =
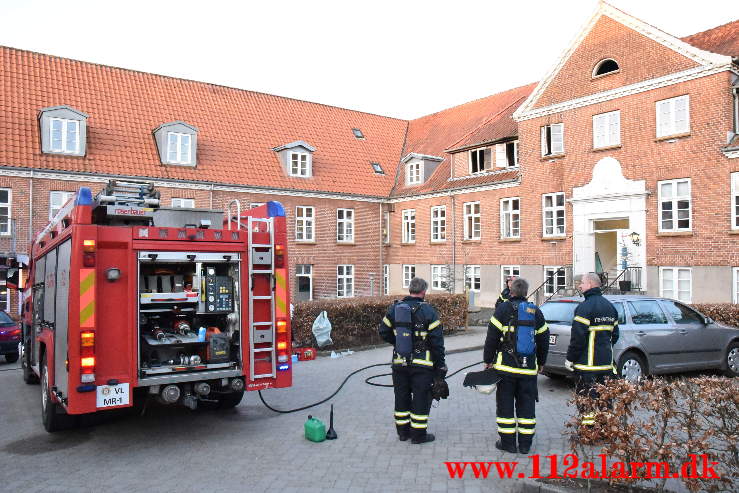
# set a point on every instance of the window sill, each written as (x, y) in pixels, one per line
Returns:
(552, 157)
(595, 77)
(305, 242)
(350, 243)
(437, 242)
(675, 233)
(478, 240)
(408, 244)
(734, 231)
(554, 238)
(671, 137)
(510, 240)
(606, 148)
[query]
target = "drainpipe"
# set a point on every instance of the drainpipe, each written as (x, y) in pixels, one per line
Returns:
(211, 196)
(30, 212)
(454, 244)
(382, 263)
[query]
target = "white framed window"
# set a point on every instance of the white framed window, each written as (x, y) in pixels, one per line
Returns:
(409, 226)
(555, 278)
(304, 275)
(345, 281)
(414, 173)
(56, 202)
(552, 139)
(4, 296)
(409, 272)
(64, 135)
(553, 213)
(438, 223)
(510, 217)
(345, 225)
(472, 277)
(472, 220)
(506, 154)
(673, 116)
(735, 201)
(385, 227)
(676, 283)
(305, 217)
(507, 271)
(300, 164)
(674, 205)
(479, 160)
(440, 277)
(179, 148)
(735, 285)
(607, 130)
(6, 196)
(183, 203)
(386, 279)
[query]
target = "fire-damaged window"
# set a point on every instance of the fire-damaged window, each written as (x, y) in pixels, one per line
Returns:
(552, 139)
(506, 154)
(480, 160)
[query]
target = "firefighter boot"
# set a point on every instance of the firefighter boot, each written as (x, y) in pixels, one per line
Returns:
(508, 447)
(425, 438)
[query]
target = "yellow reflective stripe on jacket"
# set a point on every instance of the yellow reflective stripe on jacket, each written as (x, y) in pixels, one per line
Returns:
(521, 371)
(601, 327)
(543, 329)
(496, 322)
(435, 324)
(387, 321)
(591, 348)
(424, 362)
(420, 333)
(594, 368)
(582, 320)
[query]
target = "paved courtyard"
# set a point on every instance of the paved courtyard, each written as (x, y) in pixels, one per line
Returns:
(252, 448)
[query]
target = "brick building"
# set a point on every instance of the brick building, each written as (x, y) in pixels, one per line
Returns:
(624, 155)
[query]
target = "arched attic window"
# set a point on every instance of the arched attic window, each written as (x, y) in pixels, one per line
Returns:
(604, 67)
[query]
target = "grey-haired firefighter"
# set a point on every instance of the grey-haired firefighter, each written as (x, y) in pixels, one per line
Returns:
(590, 353)
(413, 327)
(516, 346)
(506, 293)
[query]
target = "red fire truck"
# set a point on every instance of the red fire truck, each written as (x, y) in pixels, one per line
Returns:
(127, 300)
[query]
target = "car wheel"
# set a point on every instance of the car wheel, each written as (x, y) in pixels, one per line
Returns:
(227, 401)
(732, 360)
(11, 358)
(554, 376)
(52, 417)
(631, 367)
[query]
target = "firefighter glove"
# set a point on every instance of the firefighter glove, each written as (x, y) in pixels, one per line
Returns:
(440, 372)
(440, 389)
(569, 365)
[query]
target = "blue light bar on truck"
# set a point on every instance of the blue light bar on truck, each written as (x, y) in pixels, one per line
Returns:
(275, 209)
(84, 197)
(283, 367)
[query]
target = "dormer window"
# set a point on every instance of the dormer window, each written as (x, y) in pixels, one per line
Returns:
(604, 67)
(414, 173)
(299, 164)
(296, 158)
(479, 160)
(63, 131)
(177, 143)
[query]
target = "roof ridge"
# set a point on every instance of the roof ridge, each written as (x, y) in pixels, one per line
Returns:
(164, 76)
(475, 100)
(483, 123)
(709, 29)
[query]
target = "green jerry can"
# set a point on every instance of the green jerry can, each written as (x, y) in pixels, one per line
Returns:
(315, 430)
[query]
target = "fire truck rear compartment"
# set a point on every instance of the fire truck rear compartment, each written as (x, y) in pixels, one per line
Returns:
(189, 318)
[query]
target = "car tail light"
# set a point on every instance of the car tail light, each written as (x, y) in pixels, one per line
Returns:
(279, 256)
(87, 356)
(283, 353)
(88, 253)
(14, 333)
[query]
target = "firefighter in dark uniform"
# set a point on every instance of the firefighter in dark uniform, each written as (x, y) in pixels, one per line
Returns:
(594, 332)
(517, 390)
(413, 375)
(506, 293)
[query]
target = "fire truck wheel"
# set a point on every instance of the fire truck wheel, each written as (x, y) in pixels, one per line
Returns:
(11, 358)
(227, 401)
(52, 416)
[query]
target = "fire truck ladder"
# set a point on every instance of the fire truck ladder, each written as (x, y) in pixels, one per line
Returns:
(261, 263)
(129, 192)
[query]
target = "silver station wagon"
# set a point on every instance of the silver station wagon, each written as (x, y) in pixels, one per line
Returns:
(657, 336)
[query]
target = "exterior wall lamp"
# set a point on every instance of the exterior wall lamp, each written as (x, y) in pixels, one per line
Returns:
(635, 238)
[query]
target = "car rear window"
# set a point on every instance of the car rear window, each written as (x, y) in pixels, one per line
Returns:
(5, 319)
(620, 310)
(559, 311)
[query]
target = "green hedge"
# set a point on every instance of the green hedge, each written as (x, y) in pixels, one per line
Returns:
(725, 313)
(354, 320)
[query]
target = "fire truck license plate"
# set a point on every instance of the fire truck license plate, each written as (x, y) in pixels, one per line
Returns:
(112, 395)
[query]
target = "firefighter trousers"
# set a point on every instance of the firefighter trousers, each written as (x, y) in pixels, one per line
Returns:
(516, 409)
(412, 387)
(586, 386)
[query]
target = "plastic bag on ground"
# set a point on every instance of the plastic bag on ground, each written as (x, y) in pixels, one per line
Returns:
(322, 330)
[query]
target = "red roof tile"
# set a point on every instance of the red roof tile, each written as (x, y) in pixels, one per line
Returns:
(237, 129)
(723, 40)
